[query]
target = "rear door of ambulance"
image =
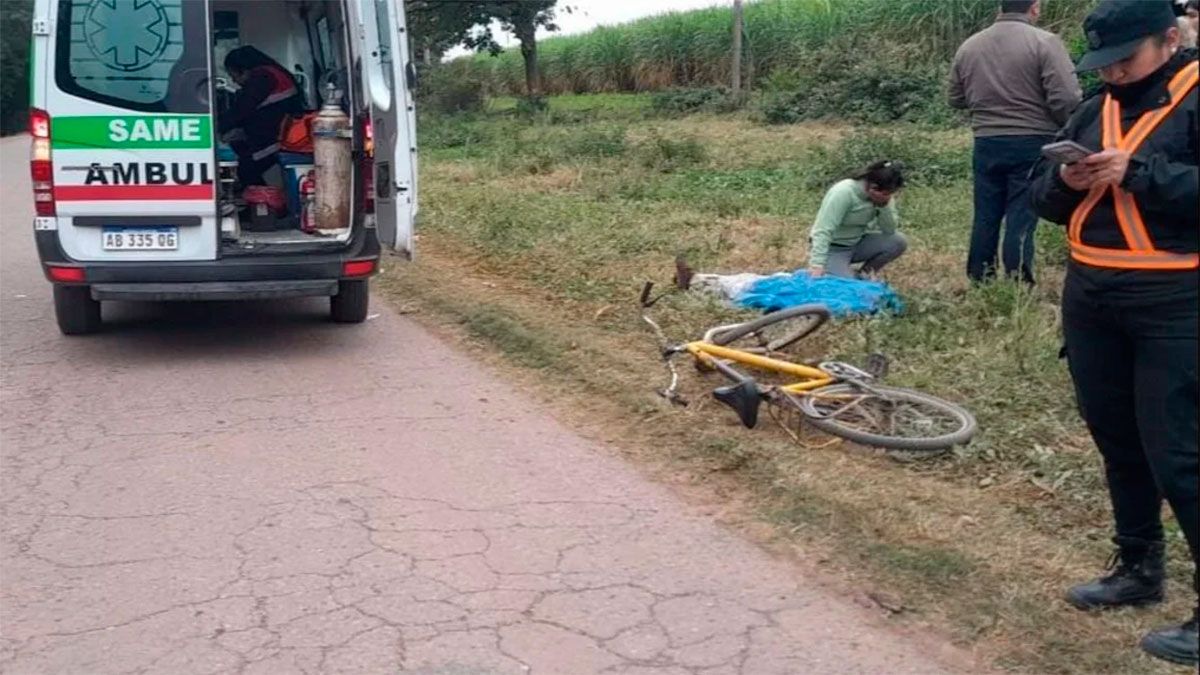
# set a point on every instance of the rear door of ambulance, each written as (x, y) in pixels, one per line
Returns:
(126, 86)
(388, 74)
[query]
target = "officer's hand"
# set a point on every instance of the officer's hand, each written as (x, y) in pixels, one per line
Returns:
(1076, 176)
(816, 271)
(1107, 167)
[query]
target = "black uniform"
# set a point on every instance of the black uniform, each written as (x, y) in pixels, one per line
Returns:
(1131, 334)
(269, 94)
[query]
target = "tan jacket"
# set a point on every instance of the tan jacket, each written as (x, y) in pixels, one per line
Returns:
(1015, 79)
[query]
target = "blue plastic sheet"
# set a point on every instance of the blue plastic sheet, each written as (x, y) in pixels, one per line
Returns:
(843, 297)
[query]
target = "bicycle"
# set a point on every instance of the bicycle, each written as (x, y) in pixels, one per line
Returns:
(837, 398)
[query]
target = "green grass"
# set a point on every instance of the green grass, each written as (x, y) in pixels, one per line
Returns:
(634, 194)
(579, 207)
(511, 337)
(938, 565)
(607, 104)
(692, 48)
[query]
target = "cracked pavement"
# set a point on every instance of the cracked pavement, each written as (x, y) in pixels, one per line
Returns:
(245, 488)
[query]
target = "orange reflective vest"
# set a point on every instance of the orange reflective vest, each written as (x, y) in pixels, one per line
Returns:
(295, 133)
(1140, 253)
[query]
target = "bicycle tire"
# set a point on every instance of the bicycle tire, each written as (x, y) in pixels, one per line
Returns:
(810, 317)
(965, 425)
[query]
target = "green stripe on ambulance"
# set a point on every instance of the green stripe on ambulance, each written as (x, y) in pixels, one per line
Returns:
(157, 132)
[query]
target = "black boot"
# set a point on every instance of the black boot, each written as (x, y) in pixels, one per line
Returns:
(1178, 644)
(1136, 581)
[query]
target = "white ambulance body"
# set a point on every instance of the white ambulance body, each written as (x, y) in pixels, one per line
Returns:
(136, 191)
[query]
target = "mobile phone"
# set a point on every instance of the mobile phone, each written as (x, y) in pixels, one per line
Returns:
(1065, 152)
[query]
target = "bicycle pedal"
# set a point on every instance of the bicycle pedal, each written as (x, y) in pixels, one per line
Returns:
(845, 371)
(877, 365)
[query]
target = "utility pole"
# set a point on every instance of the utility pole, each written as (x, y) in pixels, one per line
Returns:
(737, 50)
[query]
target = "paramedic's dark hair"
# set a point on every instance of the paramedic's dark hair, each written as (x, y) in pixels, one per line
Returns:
(245, 59)
(884, 174)
(1016, 6)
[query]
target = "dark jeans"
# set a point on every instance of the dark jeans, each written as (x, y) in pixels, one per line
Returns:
(1002, 165)
(249, 170)
(1134, 369)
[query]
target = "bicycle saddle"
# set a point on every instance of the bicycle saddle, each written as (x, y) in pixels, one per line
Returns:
(744, 398)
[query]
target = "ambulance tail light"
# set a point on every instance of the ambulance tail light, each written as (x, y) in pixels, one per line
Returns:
(41, 167)
(66, 275)
(358, 268)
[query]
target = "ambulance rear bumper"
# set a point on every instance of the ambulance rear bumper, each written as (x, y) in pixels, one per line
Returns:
(216, 290)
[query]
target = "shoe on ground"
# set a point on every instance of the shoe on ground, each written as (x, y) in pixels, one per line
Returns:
(1136, 581)
(1177, 644)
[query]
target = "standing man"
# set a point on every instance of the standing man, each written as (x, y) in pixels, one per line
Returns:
(1131, 303)
(1019, 85)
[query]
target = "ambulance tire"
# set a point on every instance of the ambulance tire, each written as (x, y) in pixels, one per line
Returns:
(351, 303)
(77, 313)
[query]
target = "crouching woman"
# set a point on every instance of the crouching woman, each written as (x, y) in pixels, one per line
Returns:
(856, 224)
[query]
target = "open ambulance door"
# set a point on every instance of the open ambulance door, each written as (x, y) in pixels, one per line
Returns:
(389, 76)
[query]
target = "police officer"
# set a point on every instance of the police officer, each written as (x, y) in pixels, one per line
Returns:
(1130, 303)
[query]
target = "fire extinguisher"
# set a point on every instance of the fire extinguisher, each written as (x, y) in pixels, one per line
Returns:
(308, 202)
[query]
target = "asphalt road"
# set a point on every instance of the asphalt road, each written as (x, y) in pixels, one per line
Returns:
(246, 488)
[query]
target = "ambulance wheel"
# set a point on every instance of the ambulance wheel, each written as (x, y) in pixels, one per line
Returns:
(77, 313)
(351, 302)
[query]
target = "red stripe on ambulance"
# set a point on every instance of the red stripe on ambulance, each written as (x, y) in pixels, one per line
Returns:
(107, 193)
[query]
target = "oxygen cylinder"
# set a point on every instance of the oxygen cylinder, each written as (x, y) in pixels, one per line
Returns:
(331, 155)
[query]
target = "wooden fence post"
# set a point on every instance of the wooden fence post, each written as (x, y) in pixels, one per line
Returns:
(737, 50)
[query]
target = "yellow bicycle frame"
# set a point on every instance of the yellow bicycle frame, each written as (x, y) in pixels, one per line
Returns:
(813, 378)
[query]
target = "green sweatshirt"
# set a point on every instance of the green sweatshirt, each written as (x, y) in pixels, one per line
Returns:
(847, 215)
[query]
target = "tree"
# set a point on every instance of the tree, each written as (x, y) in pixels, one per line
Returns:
(438, 25)
(523, 18)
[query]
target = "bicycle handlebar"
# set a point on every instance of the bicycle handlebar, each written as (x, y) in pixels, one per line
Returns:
(671, 392)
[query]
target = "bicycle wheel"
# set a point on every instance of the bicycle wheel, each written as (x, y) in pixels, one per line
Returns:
(888, 417)
(775, 331)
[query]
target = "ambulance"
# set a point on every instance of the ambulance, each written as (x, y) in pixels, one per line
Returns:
(137, 190)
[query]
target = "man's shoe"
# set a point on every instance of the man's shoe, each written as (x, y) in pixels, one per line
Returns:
(1177, 644)
(1136, 581)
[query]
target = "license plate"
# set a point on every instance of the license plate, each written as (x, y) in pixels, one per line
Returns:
(141, 238)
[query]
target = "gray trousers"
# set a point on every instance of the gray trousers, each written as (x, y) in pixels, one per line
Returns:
(873, 251)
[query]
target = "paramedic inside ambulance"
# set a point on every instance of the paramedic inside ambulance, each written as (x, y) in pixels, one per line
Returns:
(267, 93)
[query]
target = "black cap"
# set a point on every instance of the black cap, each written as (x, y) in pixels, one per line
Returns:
(1116, 27)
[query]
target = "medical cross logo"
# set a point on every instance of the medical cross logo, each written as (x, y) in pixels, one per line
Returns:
(126, 35)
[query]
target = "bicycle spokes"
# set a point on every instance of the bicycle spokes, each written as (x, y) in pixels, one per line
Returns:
(879, 414)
